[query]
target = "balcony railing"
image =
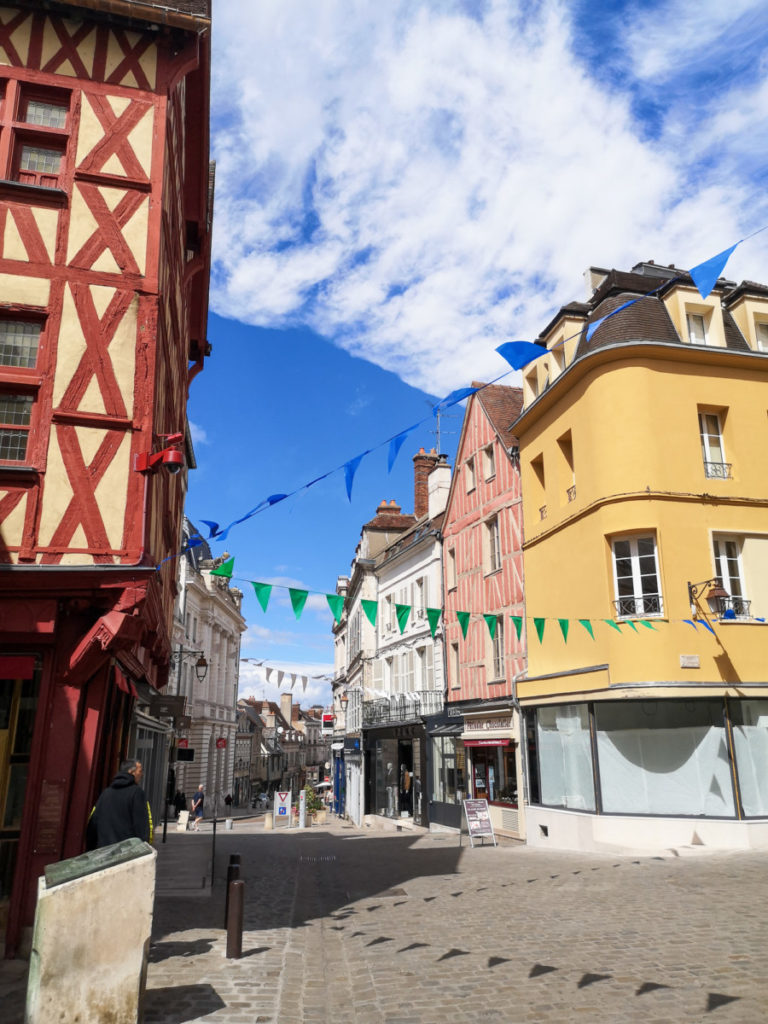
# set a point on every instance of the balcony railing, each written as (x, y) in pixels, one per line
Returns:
(638, 607)
(402, 707)
(717, 470)
(734, 608)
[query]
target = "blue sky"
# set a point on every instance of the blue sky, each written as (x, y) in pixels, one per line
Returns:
(400, 188)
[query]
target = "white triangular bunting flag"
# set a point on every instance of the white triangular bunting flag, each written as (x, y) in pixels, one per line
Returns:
(269, 673)
(280, 678)
(304, 683)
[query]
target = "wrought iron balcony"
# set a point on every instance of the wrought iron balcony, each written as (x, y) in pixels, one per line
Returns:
(402, 707)
(638, 607)
(717, 470)
(734, 608)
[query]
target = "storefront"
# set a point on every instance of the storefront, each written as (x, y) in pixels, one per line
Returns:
(350, 780)
(446, 770)
(637, 772)
(396, 772)
(491, 741)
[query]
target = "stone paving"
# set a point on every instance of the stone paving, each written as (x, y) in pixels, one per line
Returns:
(350, 927)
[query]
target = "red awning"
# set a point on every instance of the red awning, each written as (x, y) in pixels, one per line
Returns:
(16, 667)
(124, 683)
(487, 743)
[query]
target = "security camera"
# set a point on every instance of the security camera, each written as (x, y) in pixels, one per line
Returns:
(172, 460)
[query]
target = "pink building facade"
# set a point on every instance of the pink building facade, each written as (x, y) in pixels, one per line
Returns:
(483, 576)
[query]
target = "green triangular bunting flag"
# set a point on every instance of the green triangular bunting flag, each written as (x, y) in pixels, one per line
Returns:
(612, 624)
(648, 625)
(490, 621)
(370, 608)
(402, 611)
(564, 624)
(263, 590)
(225, 569)
(298, 600)
(518, 621)
(336, 604)
(540, 624)
(588, 626)
(631, 623)
(463, 618)
(433, 616)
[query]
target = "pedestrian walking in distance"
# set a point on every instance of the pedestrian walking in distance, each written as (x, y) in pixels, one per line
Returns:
(197, 807)
(122, 811)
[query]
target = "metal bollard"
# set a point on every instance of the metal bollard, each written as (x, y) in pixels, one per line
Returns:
(235, 920)
(233, 875)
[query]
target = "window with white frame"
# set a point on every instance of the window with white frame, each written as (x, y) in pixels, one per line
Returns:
(456, 666)
(498, 649)
(712, 449)
(490, 462)
(729, 570)
(636, 577)
(470, 467)
(761, 336)
(494, 545)
(389, 613)
(697, 328)
(452, 582)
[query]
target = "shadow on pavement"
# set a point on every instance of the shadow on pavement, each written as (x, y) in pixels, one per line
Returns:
(180, 1003)
(291, 880)
(165, 950)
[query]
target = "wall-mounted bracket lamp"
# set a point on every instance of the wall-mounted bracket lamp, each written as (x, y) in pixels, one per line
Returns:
(715, 592)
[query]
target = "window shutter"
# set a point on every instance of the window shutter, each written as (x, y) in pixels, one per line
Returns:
(377, 674)
(429, 682)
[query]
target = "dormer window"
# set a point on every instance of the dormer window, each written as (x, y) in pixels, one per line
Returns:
(697, 329)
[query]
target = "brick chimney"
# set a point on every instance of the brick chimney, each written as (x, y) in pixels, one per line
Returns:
(423, 464)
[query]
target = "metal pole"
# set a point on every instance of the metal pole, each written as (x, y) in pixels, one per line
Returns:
(213, 843)
(233, 875)
(235, 920)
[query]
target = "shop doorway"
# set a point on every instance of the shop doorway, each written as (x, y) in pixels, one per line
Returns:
(19, 691)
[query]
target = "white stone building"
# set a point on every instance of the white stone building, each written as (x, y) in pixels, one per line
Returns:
(207, 623)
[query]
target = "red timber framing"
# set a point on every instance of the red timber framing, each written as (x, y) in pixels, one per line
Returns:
(105, 226)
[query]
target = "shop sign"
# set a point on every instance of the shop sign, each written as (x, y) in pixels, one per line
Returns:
(480, 724)
(221, 743)
(479, 823)
(487, 743)
(183, 744)
(326, 725)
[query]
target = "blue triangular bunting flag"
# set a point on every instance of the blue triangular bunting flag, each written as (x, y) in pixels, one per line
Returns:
(705, 274)
(519, 353)
(453, 398)
(350, 468)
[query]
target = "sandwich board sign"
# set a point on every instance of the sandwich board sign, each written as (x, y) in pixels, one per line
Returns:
(281, 810)
(479, 823)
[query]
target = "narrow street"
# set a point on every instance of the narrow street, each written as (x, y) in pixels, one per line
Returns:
(399, 928)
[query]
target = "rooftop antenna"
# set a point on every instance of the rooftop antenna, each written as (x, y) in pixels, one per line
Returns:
(438, 431)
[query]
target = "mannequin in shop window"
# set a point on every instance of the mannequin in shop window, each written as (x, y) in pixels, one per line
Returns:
(405, 789)
(391, 791)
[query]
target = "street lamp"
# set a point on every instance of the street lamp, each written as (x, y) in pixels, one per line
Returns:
(201, 665)
(714, 593)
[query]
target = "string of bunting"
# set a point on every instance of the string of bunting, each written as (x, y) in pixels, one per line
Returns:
(517, 353)
(298, 598)
(282, 675)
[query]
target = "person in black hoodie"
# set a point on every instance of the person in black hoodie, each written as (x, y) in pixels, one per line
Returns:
(121, 811)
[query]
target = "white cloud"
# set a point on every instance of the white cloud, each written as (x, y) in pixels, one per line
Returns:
(420, 186)
(199, 436)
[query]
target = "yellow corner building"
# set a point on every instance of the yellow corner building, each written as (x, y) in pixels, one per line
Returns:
(643, 447)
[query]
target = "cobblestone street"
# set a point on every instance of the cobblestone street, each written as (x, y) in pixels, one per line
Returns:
(401, 928)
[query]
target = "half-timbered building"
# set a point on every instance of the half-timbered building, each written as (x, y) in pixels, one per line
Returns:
(476, 752)
(105, 217)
